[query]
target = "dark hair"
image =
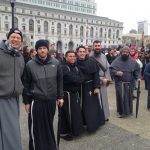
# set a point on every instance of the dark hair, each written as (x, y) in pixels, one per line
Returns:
(41, 43)
(26, 53)
(80, 47)
(32, 50)
(97, 41)
(68, 52)
(15, 30)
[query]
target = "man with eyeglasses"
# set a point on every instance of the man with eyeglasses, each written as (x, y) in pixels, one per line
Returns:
(12, 66)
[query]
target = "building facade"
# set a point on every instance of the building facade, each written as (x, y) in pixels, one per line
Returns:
(79, 6)
(144, 27)
(133, 39)
(65, 30)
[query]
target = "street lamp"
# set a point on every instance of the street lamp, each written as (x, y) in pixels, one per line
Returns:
(12, 2)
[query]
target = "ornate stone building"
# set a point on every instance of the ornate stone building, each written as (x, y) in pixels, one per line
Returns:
(64, 29)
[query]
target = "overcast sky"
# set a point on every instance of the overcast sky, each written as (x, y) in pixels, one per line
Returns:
(127, 11)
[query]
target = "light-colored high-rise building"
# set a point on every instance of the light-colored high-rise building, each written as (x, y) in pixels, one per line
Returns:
(64, 29)
(144, 27)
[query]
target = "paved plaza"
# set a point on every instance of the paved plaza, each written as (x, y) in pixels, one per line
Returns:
(117, 134)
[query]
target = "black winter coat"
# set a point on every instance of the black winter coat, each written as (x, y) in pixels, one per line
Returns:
(42, 80)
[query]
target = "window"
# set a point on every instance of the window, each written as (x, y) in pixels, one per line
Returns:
(16, 22)
(91, 32)
(76, 32)
(45, 27)
(117, 34)
(87, 32)
(23, 11)
(52, 30)
(6, 8)
(101, 33)
(113, 36)
(6, 17)
(58, 28)
(65, 32)
(6, 27)
(96, 34)
(81, 31)
(31, 25)
(71, 30)
(109, 33)
(23, 28)
(39, 29)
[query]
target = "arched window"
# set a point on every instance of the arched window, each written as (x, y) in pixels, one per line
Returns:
(45, 27)
(81, 31)
(91, 32)
(15, 22)
(109, 33)
(70, 30)
(31, 25)
(58, 28)
(70, 45)
(117, 34)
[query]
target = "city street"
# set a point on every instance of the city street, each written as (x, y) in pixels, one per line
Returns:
(117, 134)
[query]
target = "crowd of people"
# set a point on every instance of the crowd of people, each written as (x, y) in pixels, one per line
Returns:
(76, 81)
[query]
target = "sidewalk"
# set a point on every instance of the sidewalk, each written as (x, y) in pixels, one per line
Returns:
(117, 134)
(140, 125)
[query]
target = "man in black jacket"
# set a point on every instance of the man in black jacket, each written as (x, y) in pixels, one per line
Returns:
(11, 66)
(72, 124)
(43, 81)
